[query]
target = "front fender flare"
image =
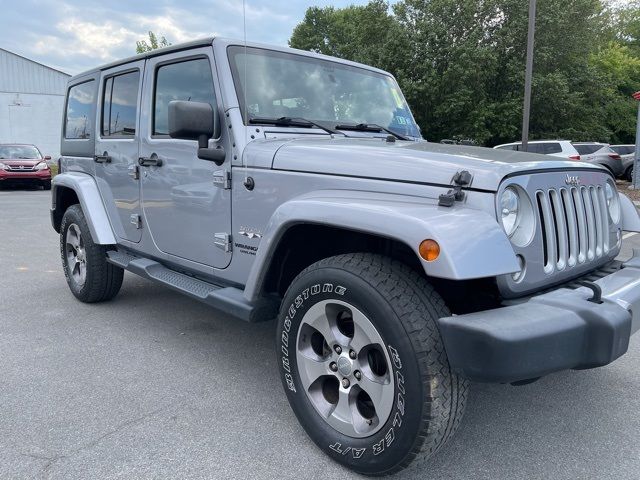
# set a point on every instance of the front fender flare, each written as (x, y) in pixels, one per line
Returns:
(86, 190)
(473, 245)
(630, 218)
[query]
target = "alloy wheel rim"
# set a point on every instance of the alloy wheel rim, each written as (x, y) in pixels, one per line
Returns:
(76, 255)
(344, 368)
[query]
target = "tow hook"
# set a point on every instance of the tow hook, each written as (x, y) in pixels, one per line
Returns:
(460, 179)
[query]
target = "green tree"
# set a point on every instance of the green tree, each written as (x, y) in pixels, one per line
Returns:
(461, 63)
(153, 43)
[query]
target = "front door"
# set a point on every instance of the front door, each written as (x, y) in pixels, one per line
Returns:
(187, 213)
(117, 142)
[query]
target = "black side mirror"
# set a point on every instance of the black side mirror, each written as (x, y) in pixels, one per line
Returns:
(196, 121)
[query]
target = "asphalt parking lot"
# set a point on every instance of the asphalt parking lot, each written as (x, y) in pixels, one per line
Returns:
(155, 385)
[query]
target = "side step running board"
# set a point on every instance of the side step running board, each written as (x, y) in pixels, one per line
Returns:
(229, 300)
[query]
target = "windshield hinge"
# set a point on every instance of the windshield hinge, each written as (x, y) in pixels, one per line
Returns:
(460, 179)
(222, 179)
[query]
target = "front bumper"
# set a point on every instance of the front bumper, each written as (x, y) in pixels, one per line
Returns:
(554, 331)
(30, 176)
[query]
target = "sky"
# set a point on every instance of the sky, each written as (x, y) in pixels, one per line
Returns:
(75, 35)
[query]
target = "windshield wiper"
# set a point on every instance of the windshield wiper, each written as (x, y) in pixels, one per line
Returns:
(370, 127)
(292, 122)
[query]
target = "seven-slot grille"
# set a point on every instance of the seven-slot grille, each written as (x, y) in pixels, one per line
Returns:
(575, 225)
(20, 168)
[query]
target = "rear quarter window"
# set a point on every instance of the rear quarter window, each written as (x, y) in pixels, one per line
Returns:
(551, 148)
(78, 115)
(536, 148)
(587, 149)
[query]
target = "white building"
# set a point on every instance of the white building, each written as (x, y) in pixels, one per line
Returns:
(31, 103)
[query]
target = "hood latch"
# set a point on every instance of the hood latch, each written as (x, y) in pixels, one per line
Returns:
(460, 179)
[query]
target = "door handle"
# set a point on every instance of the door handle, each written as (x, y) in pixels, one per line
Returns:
(153, 160)
(104, 158)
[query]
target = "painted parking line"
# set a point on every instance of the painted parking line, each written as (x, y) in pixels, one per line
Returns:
(628, 235)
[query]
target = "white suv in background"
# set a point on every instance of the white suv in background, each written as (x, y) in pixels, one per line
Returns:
(557, 148)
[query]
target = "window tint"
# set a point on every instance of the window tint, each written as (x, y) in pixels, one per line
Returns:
(536, 148)
(587, 149)
(79, 106)
(119, 105)
(624, 149)
(552, 147)
(190, 80)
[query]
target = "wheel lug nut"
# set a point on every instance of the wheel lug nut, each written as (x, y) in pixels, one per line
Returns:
(345, 382)
(333, 366)
(357, 374)
(338, 349)
(352, 354)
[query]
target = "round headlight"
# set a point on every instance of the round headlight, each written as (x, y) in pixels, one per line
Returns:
(613, 202)
(509, 210)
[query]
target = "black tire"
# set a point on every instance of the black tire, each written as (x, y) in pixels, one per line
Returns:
(46, 185)
(428, 404)
(628, 175)
(103, 280)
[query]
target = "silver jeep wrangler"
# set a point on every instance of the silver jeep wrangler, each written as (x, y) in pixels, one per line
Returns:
(268, 182)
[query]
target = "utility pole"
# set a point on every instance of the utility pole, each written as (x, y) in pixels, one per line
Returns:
(636, 158)
(528, 74)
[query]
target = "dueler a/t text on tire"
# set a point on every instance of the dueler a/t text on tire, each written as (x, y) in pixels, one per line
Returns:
(363, 364)
(90, 277)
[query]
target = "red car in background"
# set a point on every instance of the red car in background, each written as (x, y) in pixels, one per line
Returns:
(24, 164)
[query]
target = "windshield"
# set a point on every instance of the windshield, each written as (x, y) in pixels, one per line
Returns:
(20, 151)
(283, 84)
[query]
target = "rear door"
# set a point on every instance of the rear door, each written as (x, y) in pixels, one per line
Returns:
(186, 211)
(116, 152)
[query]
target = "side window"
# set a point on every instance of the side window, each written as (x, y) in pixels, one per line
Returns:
(552, 147)
(536, 148)
(507, 147)
(77, 124)
(190, 80)
(120, 105)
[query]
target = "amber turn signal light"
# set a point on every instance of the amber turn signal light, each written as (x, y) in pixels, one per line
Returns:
(429, 250)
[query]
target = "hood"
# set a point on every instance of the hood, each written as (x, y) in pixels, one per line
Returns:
(415, 162)
(17, 162)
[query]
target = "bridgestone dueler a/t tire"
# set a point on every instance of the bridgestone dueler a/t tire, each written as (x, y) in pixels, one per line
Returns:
(403, 307)
(103, 280)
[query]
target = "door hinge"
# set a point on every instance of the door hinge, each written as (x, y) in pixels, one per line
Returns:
(136, 220)
(134, 172)
(222, 179)
(222, 241)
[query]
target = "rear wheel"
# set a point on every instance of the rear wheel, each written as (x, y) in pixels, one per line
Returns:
(89, 276)
(363, 364)
(628, 175)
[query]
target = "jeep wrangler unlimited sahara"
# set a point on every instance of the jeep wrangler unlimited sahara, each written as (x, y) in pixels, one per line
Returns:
(268, 182)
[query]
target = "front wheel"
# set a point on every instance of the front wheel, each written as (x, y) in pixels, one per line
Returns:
(89, 276)
(363, 364)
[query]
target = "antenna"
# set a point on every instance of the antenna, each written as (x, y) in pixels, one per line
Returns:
(245, 114)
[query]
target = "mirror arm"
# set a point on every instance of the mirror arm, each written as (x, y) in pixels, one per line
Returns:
(203, 141)
(215, 155)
